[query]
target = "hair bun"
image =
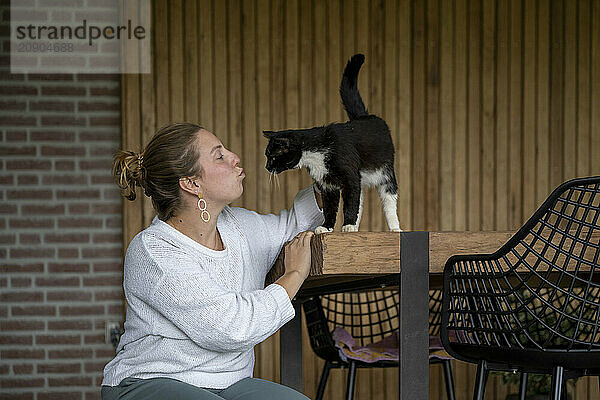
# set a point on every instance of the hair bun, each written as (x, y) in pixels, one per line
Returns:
(128, 172)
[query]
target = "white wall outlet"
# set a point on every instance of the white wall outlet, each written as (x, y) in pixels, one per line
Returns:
(110, 325)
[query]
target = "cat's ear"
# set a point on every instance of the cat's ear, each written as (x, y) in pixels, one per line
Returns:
(269, 134)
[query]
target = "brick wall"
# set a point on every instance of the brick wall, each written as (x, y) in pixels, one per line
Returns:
(60, 224)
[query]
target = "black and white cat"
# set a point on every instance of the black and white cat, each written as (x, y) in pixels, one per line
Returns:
(344, 157)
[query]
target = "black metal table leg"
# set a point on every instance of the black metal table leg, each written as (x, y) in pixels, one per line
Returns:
(413, 372)
(290, 351)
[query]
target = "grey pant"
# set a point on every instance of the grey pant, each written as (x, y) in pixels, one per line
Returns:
(171, 389)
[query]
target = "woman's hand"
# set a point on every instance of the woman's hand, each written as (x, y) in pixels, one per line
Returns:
(297, 263)
(298, 254)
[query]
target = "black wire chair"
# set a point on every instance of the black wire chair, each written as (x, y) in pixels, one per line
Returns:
(369, 316)
(534, 305)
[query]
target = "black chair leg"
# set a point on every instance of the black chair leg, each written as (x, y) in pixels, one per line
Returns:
(557, 383)
(448, 379)
(351, 380)
(523, 386)
(481, 380)
(323, 381)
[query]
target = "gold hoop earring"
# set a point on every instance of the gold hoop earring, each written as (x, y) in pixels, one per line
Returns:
(202, 207)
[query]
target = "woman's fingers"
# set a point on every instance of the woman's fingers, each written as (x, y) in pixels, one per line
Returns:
(302, 238)
(307, 237)
(305, 234)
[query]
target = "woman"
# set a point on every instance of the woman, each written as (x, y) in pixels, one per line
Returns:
(194, 279)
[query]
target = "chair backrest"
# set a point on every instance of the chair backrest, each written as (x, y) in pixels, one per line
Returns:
(541, 289)
(367, 315)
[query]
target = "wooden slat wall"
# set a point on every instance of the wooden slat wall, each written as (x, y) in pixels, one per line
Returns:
(491, 105)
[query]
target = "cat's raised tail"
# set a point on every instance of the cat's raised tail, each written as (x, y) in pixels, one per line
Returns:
(349, 88)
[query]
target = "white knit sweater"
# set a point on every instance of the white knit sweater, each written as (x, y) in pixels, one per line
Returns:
(195, 314)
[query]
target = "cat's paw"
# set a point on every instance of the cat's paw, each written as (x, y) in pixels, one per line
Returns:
(322, 229)
(349, 228)
(396, 230)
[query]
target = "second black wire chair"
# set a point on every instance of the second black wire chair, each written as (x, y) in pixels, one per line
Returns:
(534, 305)
(369, 316)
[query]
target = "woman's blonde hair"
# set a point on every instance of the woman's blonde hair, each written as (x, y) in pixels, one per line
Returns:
(169, 156)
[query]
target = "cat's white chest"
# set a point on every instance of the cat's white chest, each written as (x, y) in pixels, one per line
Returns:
(315, 162)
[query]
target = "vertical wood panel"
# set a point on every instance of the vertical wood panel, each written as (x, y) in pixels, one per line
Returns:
(220, 118)
(502, 100)
(543, 102)
(320, 62)
(488, 121)
(447, 185)
(190, 54)
(334, 58)
(557, 46)
(569, 144)
(474, 111)
(432, 116)
(418, 100)
(583, 88)
(206, 63)
(515, 163)
(404, 109)
(491, 104)
(161, 63)
(176, 67)
(529, 107)
(460, 109)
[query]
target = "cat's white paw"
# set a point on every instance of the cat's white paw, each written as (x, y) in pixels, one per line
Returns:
(322, 229)
(349, 228)
(396, 230)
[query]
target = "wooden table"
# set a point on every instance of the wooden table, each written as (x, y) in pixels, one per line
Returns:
(417, 258)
